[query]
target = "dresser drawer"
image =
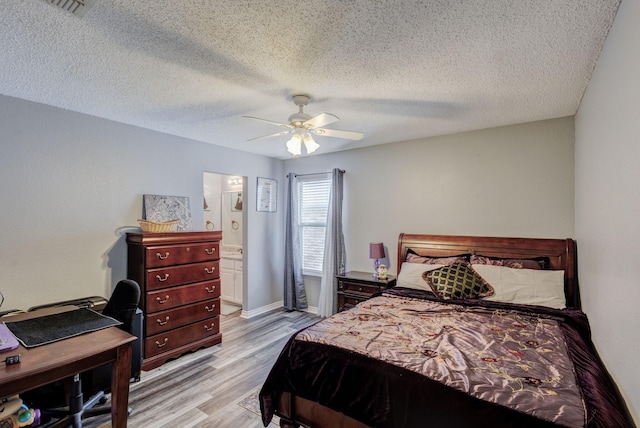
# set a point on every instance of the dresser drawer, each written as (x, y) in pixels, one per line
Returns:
(173, 318)
(184, 274)
(168, 298)
(346, 301)
(170, 255)
(358, 287)
(355, 287)
(163, 342)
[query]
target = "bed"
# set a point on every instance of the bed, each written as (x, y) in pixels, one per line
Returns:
(421, 354)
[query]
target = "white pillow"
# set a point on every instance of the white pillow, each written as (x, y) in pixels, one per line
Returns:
(525, 286)
(410, 276)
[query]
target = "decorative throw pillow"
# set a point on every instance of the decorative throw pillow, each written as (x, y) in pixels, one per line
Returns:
(457, 281)
(537, 263)
(413, 257)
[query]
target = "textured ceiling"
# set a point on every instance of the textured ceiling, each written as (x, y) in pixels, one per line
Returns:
(395, 70)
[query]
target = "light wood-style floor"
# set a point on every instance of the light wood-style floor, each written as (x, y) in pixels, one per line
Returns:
(203, 389)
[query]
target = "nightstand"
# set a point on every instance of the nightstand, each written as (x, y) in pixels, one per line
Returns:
(355, 287)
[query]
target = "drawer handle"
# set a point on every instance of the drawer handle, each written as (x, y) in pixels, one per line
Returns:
(213, 268)
(166, 320)
(210, 251)
(213, 288)
(210, 309)
(161, 257)
(159, 300)
(166, 276)
(360, 289)
(209, 328)
(160, 345)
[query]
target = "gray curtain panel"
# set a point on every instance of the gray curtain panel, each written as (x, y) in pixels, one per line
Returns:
(295, 297)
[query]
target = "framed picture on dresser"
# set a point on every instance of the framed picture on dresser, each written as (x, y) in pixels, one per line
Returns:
(160, 208)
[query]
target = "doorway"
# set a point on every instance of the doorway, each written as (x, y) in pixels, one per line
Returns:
(224, 209)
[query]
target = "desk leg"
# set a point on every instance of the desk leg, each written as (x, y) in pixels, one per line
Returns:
(120, 375)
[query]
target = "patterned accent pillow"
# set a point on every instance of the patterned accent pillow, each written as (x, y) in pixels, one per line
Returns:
(538, 263)
(457, 281)
(413, 257)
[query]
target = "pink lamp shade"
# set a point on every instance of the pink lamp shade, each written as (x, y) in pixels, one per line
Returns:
(376, 250)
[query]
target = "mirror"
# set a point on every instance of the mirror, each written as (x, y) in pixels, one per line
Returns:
(237, 205)
(232, 204)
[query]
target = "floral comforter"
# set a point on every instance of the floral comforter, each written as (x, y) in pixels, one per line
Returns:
(401, 359)
(506, 357)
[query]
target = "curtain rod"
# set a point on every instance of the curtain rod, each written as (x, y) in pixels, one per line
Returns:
(315, 173)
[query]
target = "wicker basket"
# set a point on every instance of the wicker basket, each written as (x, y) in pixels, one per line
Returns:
(152, 226)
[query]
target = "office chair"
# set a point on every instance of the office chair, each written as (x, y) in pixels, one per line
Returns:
(122, 306)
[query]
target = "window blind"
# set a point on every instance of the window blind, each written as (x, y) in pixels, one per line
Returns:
(313, 203)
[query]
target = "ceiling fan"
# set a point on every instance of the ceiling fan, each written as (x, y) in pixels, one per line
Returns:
(302, 125)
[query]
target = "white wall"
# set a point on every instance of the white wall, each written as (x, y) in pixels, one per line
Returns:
(608, 202)
(72, 185)
(509, 181)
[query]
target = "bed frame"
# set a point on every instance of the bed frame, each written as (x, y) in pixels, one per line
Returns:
(295, 411)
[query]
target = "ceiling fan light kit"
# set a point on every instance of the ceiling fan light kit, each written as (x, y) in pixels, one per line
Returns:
(293, 145)
(302, 125)
(310, 144)
(300, 136)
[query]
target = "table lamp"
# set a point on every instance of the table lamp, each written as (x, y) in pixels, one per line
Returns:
(376, 251)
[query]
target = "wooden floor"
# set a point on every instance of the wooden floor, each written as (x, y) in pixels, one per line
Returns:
(203, 389)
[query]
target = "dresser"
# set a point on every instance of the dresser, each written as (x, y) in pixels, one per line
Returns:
(179, 277)
(355, 287)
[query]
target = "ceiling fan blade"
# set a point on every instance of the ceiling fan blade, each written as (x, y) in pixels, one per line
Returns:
(320, 120)
(348, 135)
(286, 125)
(277, 134)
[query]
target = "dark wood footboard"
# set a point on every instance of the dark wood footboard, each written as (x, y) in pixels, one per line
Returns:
(296, 411)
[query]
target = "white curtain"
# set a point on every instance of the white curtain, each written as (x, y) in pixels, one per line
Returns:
(334, 251)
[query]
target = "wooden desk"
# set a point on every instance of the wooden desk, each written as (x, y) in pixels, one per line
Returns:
(59, 360)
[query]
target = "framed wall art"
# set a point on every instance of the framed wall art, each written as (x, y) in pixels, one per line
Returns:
(267, 195)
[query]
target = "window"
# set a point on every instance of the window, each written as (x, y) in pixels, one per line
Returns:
(313, 203)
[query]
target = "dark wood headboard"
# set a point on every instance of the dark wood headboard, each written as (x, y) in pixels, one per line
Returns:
(561, 252)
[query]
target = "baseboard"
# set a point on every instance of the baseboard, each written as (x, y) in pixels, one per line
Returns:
(268, 308)
(312, 310)
(261, 310)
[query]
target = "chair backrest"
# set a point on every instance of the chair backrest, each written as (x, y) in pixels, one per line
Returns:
(123, 303)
